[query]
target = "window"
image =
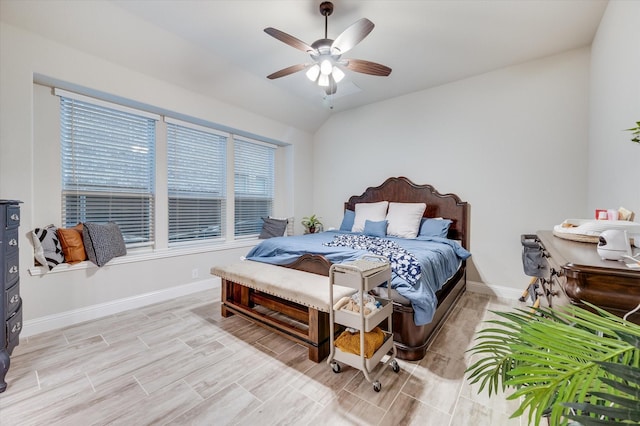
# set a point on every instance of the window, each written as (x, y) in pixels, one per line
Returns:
(108, 168)
(110, 160)
(196, 168)
(254, 185)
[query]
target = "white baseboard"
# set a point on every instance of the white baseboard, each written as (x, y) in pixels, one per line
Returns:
(493, 290)
(65, 319)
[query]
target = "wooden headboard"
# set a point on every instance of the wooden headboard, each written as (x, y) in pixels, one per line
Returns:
(402, 190)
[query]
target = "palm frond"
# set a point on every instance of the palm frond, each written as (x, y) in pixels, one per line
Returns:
(591, 421)
(554, 357)
(610, 407)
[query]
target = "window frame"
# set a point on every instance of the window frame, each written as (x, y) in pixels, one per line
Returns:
(252, 195)
(97, 141)
(198, 138)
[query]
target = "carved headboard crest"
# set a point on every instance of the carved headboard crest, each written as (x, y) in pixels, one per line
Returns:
(402, 190)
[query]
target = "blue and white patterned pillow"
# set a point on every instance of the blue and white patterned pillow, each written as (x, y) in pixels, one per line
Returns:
(47, 247)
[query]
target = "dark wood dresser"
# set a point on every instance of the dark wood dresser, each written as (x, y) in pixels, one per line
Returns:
(581, 275)
(11, 303)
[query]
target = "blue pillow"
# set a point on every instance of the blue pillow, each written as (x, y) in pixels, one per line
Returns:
(434, 228)
(375, 229)
(347, 220)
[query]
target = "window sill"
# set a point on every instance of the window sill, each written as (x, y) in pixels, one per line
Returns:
(144, 255)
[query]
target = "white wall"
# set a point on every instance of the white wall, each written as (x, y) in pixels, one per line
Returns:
(23, 54)
(513, 143)
(614, 161)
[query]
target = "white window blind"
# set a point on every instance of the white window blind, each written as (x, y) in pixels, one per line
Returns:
(254, 185)
(196, 183)
(108, 161)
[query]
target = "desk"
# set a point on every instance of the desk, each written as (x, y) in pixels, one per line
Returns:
(584, 276)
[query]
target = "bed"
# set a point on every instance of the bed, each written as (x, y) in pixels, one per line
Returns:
(414, 322)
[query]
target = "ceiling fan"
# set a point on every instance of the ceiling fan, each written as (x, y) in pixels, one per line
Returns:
(326, 54)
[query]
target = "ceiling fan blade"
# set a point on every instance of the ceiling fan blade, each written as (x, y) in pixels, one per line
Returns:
(289, 39)
(367, 67)
(286, 71)
(352, 35)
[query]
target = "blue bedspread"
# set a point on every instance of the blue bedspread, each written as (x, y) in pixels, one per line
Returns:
(439, 259)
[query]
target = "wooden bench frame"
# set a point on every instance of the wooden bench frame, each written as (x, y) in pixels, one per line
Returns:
(242, 300)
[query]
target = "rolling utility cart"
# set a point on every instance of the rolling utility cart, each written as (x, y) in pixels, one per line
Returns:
(363, 275)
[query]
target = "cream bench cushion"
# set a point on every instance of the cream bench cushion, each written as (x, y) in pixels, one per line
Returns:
(305, 288)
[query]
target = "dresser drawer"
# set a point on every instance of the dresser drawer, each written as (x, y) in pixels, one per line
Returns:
(11, 270)
(11, 241)
(12, 218)
(12, 299)
(14, 324)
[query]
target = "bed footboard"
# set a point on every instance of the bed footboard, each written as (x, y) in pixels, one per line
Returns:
(411, 340)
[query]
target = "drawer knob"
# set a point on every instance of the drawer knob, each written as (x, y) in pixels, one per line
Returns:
(15, 217)
(14, 299)
(16, 327)
(13, 242)
(13, 269)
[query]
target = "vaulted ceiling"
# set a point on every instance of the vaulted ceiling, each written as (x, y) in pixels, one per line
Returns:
(218, 48)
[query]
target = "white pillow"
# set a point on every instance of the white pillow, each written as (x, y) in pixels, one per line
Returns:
(404, 219)
(374, 212)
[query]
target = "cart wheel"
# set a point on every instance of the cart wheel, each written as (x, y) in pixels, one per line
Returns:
(336, 367)
(377, 386)
(395, 366)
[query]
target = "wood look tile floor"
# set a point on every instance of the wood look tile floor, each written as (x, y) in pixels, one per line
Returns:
(181, 363)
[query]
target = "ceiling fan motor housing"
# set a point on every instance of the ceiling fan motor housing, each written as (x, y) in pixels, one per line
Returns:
(323, 48)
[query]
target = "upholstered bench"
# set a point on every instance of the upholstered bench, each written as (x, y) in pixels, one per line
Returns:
(293, 303)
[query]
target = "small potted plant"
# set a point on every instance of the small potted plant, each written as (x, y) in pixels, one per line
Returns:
(311, 224)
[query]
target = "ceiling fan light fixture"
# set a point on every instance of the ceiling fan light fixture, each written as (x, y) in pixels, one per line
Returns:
(337, 74)
(313, 72)
(323, 80)
(326, 67)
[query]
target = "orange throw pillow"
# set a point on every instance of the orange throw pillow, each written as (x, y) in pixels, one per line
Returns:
(72, 244)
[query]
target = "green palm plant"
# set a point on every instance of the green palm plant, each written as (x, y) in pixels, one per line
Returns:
(635, 132)
(566, 364)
